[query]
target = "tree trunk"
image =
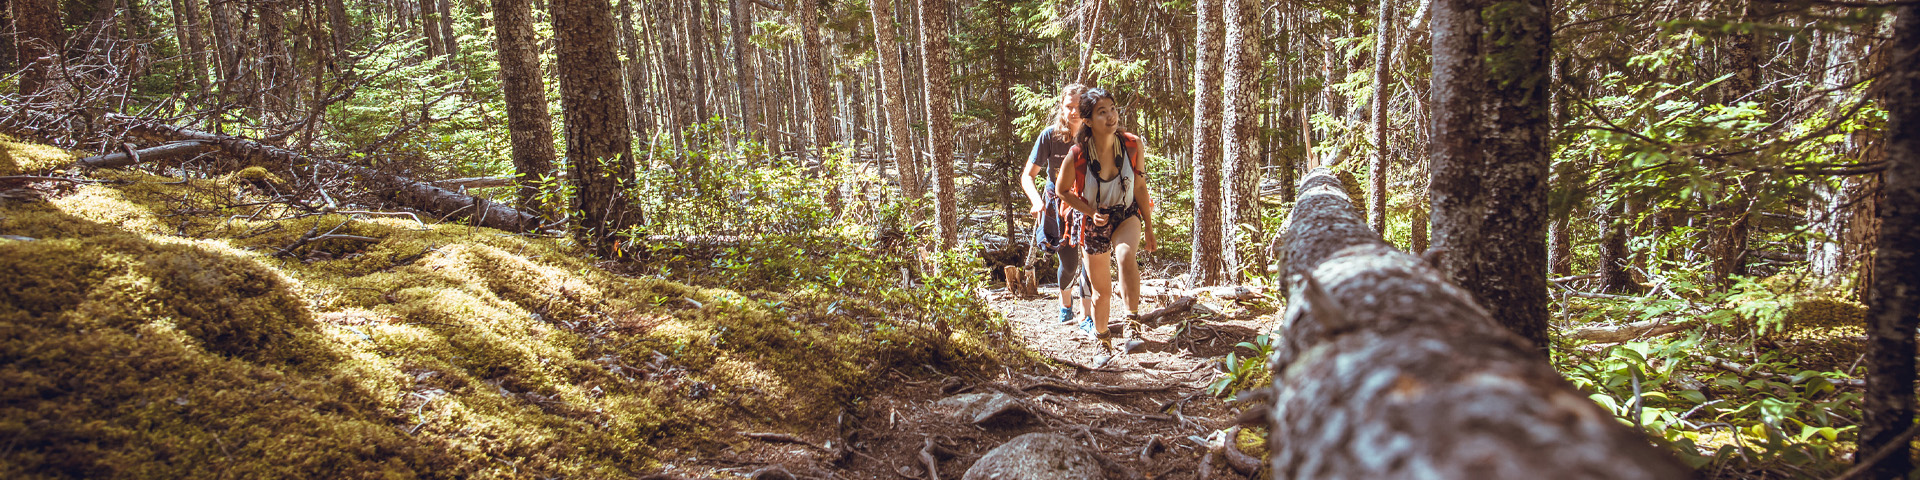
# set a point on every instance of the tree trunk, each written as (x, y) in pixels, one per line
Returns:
(338, 27)
(1490, 155)
(529, 125)
(599, 152)
(1560, 247)
(822, 120)
(739, 12)
(1894, 306)
(695, 46)
(1614, 276)
(894, 96)
(632, 68)
(39, 39)
(1382, 80)
(938, 75)
(10, 47)
(1382, 358)
(430, 28)
(1240, 135)
(449, 38)
(1207, 266)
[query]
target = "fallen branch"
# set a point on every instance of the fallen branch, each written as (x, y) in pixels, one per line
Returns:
(1240, 461)
(1098, 389)
(1731, 366)
(1628, 332)
(405, 191)
(1178, 306)
(1575, 277)
(779, 438)
(170, 151)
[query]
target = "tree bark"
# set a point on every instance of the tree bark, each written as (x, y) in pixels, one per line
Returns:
(742, 27)
(449, 38)
(893, 92)
(340, 30)
(1614, 277)
(824, 135)
(599, 152)
(529, 125)
(1207, 265)
(430, 28)
(1382, 80)
(696, 55)
(1240, 136)
(938, 75)
(1489, 165)
(39, 41)
(1893, 309)
(1382, 358)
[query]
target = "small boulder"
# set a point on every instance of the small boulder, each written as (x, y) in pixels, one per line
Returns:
(992, 408)
(1037, 456)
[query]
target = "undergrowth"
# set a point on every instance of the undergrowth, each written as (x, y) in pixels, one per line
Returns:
(157, 326)
(1756, 386)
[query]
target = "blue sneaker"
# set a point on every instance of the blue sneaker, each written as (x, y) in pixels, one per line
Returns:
(1086, 326)
(1066, 315)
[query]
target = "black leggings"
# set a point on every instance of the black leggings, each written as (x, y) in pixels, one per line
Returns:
(1071, 272)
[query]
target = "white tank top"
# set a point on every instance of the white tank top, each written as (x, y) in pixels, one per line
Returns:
(1111, 193)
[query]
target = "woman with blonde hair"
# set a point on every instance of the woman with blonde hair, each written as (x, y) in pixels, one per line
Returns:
(1049, 151)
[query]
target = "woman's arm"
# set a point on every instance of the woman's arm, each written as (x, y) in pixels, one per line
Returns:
(1065, 191)
(1033, 194)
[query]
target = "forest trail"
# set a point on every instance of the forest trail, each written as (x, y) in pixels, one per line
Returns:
(1158, 394)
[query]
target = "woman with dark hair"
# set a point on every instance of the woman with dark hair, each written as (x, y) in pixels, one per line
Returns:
(1049, 150)
(1105, 183)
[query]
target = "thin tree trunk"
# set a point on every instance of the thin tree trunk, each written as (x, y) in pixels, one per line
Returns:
(696, 46)
(449, 38)
(894, 96)
(39, 41)
(939, 98)
(739, 12)
(1240, 134)
(1490, 155)
(1207, 267)
(529, 125)
(1893, 309)
(430, 28)
(1614, 277)
(338, 27)
(1382, 82)
(599, 150)
(822, 120)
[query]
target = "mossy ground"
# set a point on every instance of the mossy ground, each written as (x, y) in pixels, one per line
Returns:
(155, 328)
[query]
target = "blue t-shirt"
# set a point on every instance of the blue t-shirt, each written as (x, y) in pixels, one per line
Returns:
(1048, 153)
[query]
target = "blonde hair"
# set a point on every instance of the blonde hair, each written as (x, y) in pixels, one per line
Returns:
(1062, 131)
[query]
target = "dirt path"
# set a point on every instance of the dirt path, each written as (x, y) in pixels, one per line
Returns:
(1166, 403)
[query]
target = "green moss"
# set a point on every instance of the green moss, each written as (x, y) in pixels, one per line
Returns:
(141, 342)
(21, 158)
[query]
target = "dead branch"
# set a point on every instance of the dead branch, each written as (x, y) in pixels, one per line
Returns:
(1240, 461)
(1628, 332)
(1055, 386)
(1178, 306)
(1731, 366)
(779, 438)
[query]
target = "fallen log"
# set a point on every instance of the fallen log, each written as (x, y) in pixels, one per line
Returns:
(405, 191)
(1386, 370)
(1176, 307)
(170, 151)
(1730, 366)
(1628, 332)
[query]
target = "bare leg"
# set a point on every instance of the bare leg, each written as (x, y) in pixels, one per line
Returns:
(1102, 289)
(1126, 241)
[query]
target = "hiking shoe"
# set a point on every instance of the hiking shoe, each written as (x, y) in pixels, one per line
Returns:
(1086, 326)
(1101, 362)
(1133, 344)
(1066, 315)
